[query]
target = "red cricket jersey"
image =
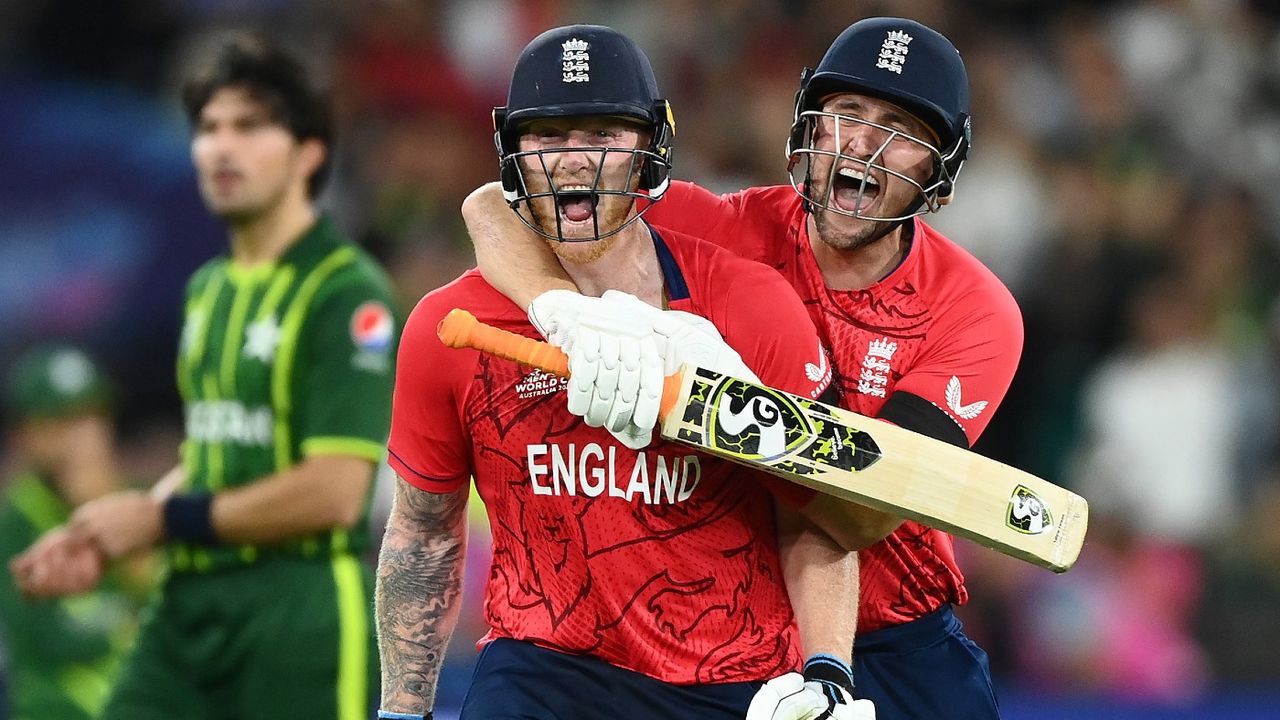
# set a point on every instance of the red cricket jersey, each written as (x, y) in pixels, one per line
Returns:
(661, 561)
(940, 326)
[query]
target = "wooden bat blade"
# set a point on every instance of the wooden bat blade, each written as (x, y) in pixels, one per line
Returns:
(880, 465)
(841, 453)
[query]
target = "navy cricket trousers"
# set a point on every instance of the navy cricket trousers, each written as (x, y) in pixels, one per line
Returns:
(926, 669)
(516, 680)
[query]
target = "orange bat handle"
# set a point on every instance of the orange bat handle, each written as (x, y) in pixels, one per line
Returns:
(461, 329)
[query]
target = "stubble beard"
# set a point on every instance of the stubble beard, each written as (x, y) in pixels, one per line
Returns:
(865, 233)
(610, 212)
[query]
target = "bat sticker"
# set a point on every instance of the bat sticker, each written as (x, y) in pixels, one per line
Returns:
(1027, 512)
(759, 424)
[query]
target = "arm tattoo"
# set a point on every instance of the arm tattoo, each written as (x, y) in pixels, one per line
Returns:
(418, 593)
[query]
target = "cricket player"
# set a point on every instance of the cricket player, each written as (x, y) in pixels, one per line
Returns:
(285, 370)
(634, 575)
(921, 334)
(62, 654)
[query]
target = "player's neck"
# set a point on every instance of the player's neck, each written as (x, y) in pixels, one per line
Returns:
(265, 238)
(630, 264)
(861, 267)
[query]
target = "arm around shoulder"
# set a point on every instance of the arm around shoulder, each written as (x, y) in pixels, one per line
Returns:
(511, 257)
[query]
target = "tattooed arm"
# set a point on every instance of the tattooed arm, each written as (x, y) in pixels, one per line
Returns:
(419, 593)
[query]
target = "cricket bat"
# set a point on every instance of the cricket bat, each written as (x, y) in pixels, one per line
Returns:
(840, 453)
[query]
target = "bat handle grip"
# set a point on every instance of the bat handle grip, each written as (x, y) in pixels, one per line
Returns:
(461, 329)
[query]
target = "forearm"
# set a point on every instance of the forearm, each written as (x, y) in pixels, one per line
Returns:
(418, 594)
(510, 257)
(315, 495)
(852, 526)
(822, 581)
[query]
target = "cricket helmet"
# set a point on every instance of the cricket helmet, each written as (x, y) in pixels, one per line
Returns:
(903, 62)
(578, 71)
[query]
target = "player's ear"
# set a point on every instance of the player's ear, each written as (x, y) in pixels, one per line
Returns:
(311, 156)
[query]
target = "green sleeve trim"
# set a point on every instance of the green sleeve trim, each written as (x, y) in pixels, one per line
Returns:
(367, 449)
(287, 350)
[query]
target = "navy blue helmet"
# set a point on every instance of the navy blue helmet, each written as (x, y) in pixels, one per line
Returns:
(902, 62)
(576, 71)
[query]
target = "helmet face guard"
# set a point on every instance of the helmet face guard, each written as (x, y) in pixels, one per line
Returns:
(941, 180)
(517, 166)
(574, 72)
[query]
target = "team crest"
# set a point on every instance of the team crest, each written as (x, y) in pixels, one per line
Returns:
(575, 62)
(1027, 512)
(372, 327)
(893, 52)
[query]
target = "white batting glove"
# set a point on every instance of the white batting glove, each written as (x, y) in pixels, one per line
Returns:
(615, 371)
(687, 338)
(620, 348)
(615, 381)
(557, 313)
(823, 692)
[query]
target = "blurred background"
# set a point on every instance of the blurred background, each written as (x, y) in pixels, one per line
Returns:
(1122, 183)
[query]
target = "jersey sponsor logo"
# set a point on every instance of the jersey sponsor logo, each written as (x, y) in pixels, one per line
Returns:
(874, 378)
(964, 412)
(591, 471)
(539, 383)
(1027, 512)
(372, 330)
(372, 327)
(820, 373)
(893, 52)
(575, 61)
(223, 421)
(261, 338)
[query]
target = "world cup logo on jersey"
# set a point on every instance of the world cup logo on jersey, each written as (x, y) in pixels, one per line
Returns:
(755, 423)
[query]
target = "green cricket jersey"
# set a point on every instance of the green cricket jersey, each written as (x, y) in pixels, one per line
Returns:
(280, 362)
(63, 653)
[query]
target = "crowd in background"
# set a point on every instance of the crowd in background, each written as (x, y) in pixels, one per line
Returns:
(1122, 183)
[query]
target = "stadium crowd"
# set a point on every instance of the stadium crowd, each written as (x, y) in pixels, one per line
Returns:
(1121, 184)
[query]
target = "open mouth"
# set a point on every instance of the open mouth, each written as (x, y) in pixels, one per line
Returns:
(576, 204)
(853, 190)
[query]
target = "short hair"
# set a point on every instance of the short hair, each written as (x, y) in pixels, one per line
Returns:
(274, 78)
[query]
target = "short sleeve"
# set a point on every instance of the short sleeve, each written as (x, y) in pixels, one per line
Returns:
(429, 447)
(967, 372)
(345, 365)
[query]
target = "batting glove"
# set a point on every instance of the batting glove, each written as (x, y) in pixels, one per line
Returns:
(615, 371)
(620, 348)
(824, 692)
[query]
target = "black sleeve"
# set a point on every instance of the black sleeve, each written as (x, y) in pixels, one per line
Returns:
(830, 396)
(915, 413)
